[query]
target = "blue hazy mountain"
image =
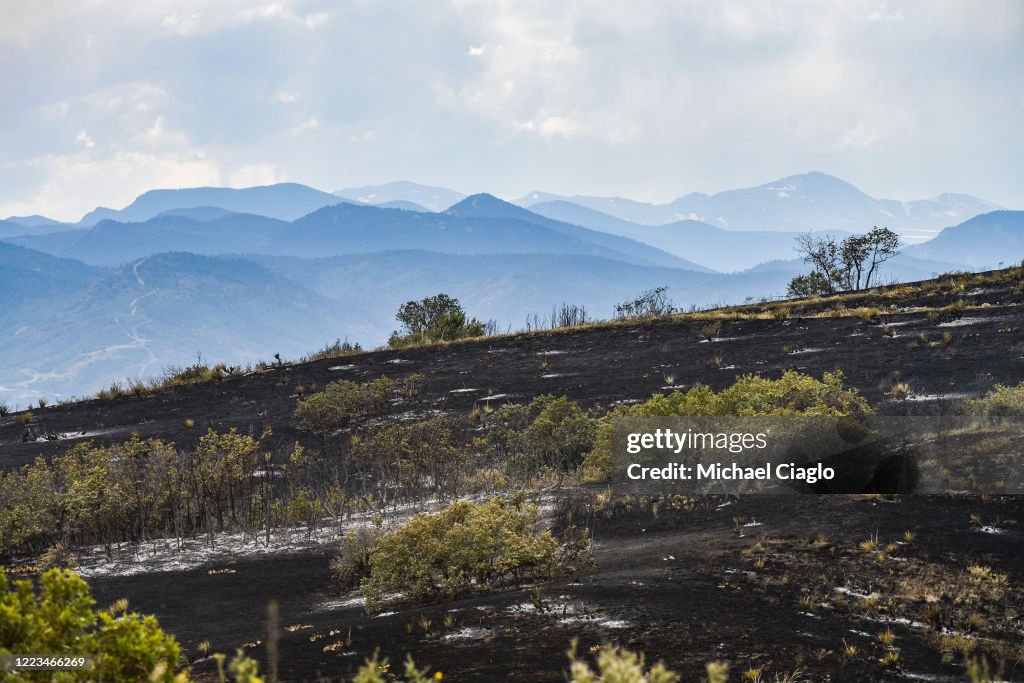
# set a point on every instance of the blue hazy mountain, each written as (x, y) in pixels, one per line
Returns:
(156, 312)
(489, 208)
(197, 213)
(70, 329)
(112, 243)
(12, 227)
(284, 201)
(34, 221)
(404, 205)
(714, 247)
(431, 198)
(792, 204)
(506, 288)
(348, 229)
(984, 241)
(29, 277)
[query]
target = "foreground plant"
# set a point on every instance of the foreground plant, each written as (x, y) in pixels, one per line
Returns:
(59, 618)
(468, 547)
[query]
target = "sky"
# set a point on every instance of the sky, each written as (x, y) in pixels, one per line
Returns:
(105, 99)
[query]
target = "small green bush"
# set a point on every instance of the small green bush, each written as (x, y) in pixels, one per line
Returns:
(615, 665)
(466, 548)
(792, 394)
(60, 619)
(549, 432)
(377, 670)
(342, 402)
(435, 318)
(1002, 401)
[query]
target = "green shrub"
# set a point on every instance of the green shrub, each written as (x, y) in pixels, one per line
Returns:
(792, 394)
(1002, 401)
(615, 665)
(435, 318)
(377, 670)
(342, 402)
(549, 432)
(60, 619)
(467, 547)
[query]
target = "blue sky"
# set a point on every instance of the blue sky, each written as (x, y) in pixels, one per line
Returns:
(651, 100)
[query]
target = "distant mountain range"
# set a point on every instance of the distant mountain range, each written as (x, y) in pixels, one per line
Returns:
(243, 274)
(480, 224)
(159, 311)
(719, 249)
(986, 241)
(284, 201)
(811, 201)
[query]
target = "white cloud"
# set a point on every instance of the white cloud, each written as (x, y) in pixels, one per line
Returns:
(576, 97)
(76, 183)
(552, 126)
(252, 175)
(283, 11)
(316, 20)
(859, 137)
(84, 139)
(310, 123)
(883, 13)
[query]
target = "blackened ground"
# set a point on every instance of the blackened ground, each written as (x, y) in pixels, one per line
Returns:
(596, 366)
(681, 586)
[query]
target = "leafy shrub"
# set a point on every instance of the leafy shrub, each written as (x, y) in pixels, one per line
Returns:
(377, 670)
(1002, 401)
(58, 556)
(548, 432)
(342, 402)
(352, 563)
(812, 284)
(792, 394)
(435, 318)
(60, 619)
(411, 459)
(615, 665)
(465, 548)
